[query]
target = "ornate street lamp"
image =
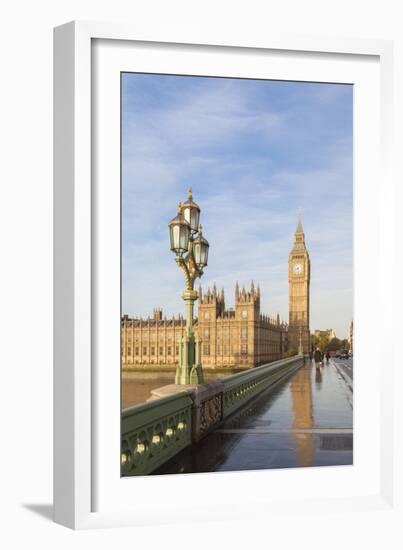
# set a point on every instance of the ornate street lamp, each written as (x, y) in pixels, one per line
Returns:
(179, 232)
(300, 347)
(200, 250)
(191, 255)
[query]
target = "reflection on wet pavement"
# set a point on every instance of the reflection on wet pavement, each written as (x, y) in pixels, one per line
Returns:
(306, 420)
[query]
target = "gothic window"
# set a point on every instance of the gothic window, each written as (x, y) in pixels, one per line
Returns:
(244, 332)
(161, 351)
(206, 315)
(244, 349)
(137, 351)
(152, 350)
(244, 313)
(206, 332)
(144, 351)
(129, 351)
(169, 350)
(206, 349)
(177, 350)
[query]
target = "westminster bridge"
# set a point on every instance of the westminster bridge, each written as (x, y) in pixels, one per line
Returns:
(284, 414)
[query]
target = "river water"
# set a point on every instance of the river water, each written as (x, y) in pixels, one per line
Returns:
(137, 386)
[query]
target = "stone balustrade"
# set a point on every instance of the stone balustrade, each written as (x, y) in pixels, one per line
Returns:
(241, 388)
(154, 432)
(176, 416)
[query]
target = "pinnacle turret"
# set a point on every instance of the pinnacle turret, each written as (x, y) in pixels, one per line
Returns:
(299, 228)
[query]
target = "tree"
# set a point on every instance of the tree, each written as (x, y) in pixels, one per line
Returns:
(323, 342)
(334, 344)
(320, 342)
(345, 344)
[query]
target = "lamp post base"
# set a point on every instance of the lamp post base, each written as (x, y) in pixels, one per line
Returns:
(189, 370)
(185, 376)
(196, 375)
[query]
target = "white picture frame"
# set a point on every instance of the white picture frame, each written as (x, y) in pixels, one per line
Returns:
(86, 493)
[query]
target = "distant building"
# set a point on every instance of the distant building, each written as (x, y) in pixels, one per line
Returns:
(239, 337)
(351, 335)
(327, 333)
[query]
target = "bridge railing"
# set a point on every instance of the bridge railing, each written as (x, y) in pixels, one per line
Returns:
(241, 388)
(155, 431)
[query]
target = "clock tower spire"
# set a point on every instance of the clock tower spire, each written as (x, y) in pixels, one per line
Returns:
(299, 277)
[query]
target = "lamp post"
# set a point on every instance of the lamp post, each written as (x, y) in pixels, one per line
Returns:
(300, 348)
(191, 254)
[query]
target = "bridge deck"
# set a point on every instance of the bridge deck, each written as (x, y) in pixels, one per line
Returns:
(304, 421)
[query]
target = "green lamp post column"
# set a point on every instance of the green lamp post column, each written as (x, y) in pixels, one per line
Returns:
(191, 250)
(300, 347)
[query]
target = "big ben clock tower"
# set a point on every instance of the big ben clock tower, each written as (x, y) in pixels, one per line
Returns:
(299, 275)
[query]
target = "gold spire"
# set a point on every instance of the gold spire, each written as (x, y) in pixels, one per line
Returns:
(299, 224)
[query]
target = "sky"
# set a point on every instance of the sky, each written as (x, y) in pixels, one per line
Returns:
(254, 152)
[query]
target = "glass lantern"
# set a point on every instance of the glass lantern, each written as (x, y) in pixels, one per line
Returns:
(191, 212)
(200, 250)
(179, 233)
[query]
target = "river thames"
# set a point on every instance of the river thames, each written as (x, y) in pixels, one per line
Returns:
(137, 386)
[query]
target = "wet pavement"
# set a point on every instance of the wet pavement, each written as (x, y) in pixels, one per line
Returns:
(346, 366)
(306, 420)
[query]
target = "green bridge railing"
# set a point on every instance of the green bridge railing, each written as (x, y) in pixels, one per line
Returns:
(241, 388)
(155, 431)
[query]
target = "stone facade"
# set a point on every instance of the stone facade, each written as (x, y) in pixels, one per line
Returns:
(238, 337)
(152, 341)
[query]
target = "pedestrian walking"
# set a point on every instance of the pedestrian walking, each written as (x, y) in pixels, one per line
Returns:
(327, 356)
(317, 357)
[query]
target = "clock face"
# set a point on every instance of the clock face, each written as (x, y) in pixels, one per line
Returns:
(298, 269)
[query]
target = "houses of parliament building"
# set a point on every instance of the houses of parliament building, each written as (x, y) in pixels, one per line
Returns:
(239, 337)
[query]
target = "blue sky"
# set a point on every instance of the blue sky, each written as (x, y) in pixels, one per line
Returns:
(254, 152)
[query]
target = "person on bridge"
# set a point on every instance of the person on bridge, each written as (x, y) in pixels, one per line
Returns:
(317, 357)
(327, 356)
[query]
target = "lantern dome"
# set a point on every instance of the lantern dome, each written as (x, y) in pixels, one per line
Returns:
(179, 233)
(200, 250)
(191, 212)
